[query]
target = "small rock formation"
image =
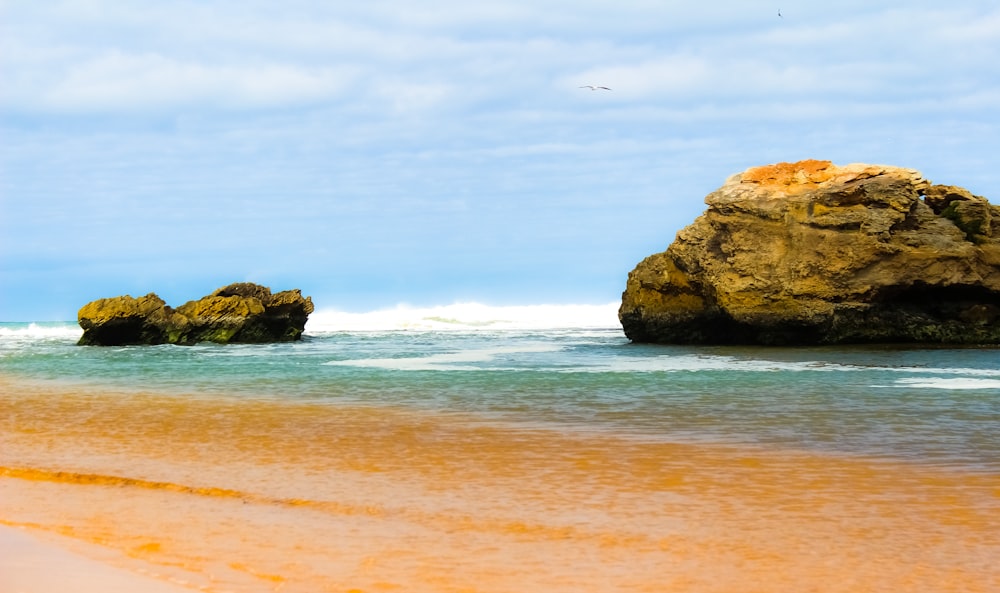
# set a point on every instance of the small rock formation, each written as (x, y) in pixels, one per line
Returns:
(813, 253)
(238, 313)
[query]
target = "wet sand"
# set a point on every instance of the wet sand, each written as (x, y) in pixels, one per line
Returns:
(230, 494)
(30, 563)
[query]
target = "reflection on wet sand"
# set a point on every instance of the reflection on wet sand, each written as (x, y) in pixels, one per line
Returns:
(262, 495)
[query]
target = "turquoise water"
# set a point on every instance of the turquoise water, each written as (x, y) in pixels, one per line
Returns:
(935, 406)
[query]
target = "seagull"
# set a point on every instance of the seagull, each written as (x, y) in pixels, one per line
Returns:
(595, 88)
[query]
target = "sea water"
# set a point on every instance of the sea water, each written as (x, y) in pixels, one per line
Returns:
(472, 448)
(920, 404)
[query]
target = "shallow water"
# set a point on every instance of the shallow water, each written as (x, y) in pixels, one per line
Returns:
(527, 460)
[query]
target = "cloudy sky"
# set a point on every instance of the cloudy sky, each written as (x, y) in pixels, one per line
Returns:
(430, 152)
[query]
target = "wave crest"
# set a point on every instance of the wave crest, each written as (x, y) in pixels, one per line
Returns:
(468, 317)
(40, 331)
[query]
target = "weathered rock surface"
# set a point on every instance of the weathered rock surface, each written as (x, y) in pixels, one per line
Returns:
(813, 253)
(238, 313)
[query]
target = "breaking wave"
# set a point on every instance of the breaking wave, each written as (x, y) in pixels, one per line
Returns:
(36, 331)
(949, 383)
(468, 317)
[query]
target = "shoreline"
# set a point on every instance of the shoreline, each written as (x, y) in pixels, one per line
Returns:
(31, 563)
(230, 494)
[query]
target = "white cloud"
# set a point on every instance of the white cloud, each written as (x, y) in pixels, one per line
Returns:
(403, 97)
(685, 76)
(120, 81)
(335, 124)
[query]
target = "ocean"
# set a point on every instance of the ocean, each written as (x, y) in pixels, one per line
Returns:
(475, 448)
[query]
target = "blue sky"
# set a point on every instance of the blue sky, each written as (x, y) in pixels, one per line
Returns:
(389, 151)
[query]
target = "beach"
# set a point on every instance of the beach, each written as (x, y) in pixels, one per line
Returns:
(225, 493)
(499, 297)
(31, 564)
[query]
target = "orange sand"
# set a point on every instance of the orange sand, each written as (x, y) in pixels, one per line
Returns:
(256, 495)
(29, 564)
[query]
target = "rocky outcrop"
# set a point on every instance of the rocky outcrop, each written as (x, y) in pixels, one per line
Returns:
(813, 253)
(238, 313)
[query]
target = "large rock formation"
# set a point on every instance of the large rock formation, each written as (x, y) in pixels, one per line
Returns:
(242, 312)
(813, 253)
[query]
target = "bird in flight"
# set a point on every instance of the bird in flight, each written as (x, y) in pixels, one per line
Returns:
(595, 88)
(779, 13)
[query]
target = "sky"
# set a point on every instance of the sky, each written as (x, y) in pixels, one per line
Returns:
(429, 152)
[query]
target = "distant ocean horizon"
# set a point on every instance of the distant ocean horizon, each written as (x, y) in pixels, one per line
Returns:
(477, 448)
(456, 314)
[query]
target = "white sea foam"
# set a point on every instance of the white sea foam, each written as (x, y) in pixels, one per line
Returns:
(474, 359)
(948, 383)
(694, 362)
(468, 317)
(522, 357)
(35, 331)
(462, 360)
(946, 371)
